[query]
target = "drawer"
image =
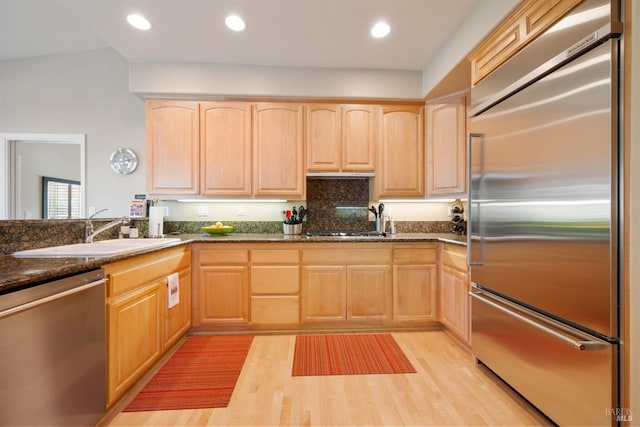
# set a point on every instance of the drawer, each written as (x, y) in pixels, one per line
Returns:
(140, 270)
(424, 255)
(271, 309)
(346, 257)
(275, 279)
(275, 256)
(219, 256)
(455, 256)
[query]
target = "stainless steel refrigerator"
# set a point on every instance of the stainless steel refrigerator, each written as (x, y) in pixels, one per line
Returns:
(544, 223)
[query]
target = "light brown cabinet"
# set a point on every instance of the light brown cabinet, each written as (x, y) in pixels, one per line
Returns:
(222, 283)
(178, 318)
(454, 292)
(341, 138)
(140, 326)
(414, 282)
(275, 284)
(530, 19)
(173, 147)
(324, 293)
(225, 157)
(225, 149)
(278, 147)
(401, 160)
(346, 283)
(369, 295)
(446, 146)
(135, 331)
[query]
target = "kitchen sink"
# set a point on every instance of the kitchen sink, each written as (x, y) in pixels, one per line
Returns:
(97, 249)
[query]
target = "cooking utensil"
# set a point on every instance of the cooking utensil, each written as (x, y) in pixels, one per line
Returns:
(288, 216)
(380, 209)
(294, 215)
(301, 213)
(374, 211)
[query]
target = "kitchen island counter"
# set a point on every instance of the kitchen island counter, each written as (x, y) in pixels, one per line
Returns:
(19, 273)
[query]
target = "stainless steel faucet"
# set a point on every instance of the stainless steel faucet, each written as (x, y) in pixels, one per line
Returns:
(90, 233)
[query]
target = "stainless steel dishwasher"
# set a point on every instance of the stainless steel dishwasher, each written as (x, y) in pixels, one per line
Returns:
(52, 353)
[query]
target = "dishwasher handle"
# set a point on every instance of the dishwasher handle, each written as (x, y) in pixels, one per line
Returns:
(31, 304)
(582, 345)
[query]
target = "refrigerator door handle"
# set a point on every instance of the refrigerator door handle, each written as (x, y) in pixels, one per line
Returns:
(586, 344)
(474, 206)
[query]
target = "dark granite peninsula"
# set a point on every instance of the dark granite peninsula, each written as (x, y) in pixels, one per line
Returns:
(17, 273)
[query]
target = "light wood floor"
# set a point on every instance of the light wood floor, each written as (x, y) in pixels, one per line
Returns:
(448, 390)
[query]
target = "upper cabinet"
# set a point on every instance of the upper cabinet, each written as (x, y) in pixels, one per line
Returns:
(173, 147)
(401, 168)
(225, 159)
(225, 149)
(446, 146)
(525, 23)
(341, 138)
(278, 147)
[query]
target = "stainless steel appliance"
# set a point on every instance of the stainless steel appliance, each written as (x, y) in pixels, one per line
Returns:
(544, 223)
(53, 353)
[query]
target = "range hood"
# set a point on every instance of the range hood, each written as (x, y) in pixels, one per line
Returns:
(340, 175)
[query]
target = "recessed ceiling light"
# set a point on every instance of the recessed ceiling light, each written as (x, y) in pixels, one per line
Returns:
(235, 23)
(138, 21)
(381, 29)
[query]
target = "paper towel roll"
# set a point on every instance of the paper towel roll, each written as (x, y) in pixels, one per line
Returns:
(155, 221)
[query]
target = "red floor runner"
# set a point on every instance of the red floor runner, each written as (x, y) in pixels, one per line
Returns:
(201, 374)
(349, 355)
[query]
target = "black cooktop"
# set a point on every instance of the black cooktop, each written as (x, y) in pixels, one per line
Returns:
(330, 233)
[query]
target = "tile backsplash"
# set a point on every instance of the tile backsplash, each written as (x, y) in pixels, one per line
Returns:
(338, 204)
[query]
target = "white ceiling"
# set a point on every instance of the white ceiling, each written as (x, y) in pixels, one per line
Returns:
(301, 33)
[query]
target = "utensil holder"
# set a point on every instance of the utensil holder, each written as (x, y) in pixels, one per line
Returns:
(292, 228)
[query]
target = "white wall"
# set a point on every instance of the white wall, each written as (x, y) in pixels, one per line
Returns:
(270, 211)
(240, 80)
(36, 160)
(480, 21)
(82, 93)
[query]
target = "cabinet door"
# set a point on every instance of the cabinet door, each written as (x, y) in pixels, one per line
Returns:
(520, 27)
(324, 293)
(225, 159)
(278, 148)
(178, 317)
(134, 342)
(414, 292)
(454, 303)
(173, 147)
(369, 292)
(359, 137)
(274, 293)
(223, 294)
(324, 138)
(401, 160)
(446, 148)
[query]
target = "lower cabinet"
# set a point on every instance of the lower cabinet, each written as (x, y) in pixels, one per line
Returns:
(324, 290)
(369, 292)
(272, 286)
(178, 319)
(275, 284)
(140, 326)
(134, 338)
(222, 284)
(414, 282)
(346, 283)
(454, 292)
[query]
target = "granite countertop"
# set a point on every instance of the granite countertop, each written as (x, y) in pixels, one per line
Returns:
(19, 273)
